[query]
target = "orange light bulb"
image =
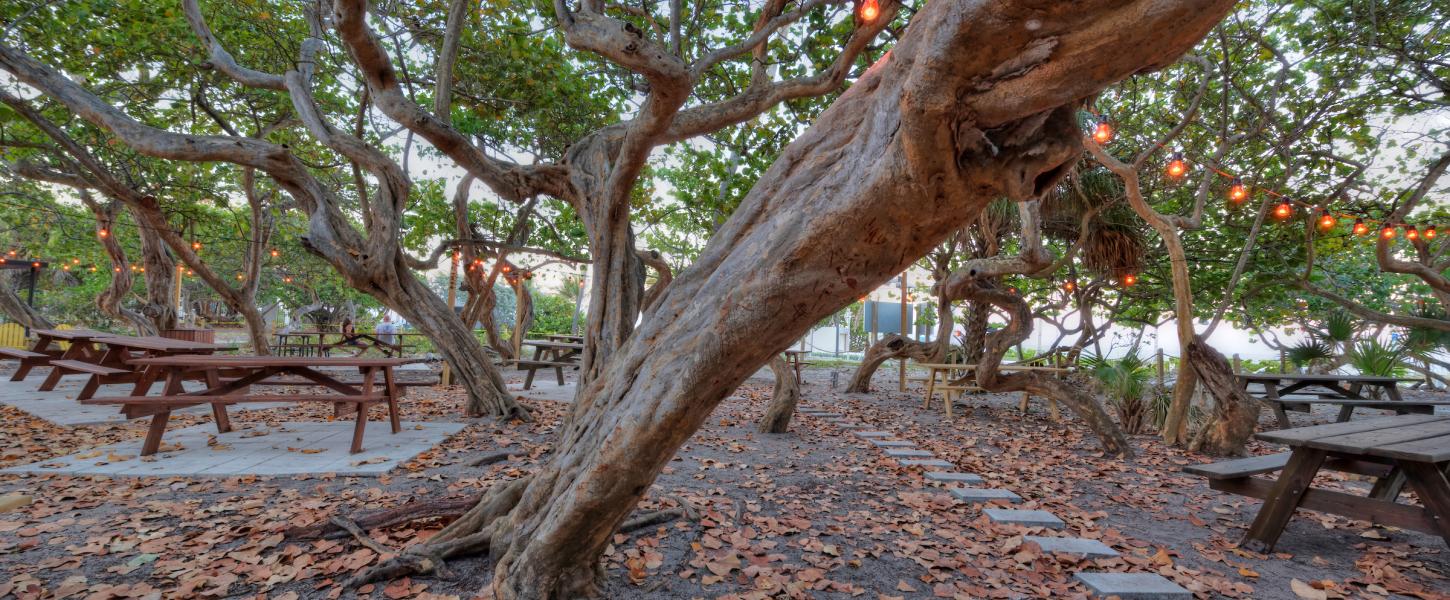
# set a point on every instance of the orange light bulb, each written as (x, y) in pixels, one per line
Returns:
(1103, 133)
(870, 10)
(1069, 287)
(1177, 167)
(196, 245)
(1430, 232)
(1237, 192)
(1388, 233)
(275, 253)
(1327, 221)
(1360, 228)
(1411, 233)
(103, 233)
(1283, 210)
(1130, 280)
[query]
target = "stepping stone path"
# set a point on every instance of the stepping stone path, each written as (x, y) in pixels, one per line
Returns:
(1028, 518)
(898, 453)
(953, 477)
(930, 462)
(1078, 546)
(983, 494)
(1133, 586)
(1126, 586)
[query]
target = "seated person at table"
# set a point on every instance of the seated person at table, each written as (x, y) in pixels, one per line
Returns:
(350, 338)
(387, 329)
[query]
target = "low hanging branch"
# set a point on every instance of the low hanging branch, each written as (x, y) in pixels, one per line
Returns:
(1066, 390)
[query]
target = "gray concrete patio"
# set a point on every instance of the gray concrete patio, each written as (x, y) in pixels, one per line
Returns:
(291, 448)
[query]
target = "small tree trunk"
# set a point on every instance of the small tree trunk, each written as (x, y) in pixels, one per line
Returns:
(1235, 414)
(160, 281)
(784, 399)
(889, 347)
(14, 307)
(109, 300)
(974, 341)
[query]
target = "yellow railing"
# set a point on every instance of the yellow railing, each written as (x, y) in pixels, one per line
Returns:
(12, 335)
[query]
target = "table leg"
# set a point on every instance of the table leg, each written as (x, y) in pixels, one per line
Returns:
(1022, 406)
(219, 414)
(1272, 392)
(930, 387)
(1389, 486)
(360, 427)
(1346, 412)
(1283, 499)
(153, 435)
(392, 388)
(1393, 391)
(1433, 490)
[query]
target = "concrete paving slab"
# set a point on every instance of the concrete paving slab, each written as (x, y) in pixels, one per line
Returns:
(953, 477)
(1133, 586)
(1079, 546)
(871, 434)
(291, 448)
(1027, 518)
(899, 453)
(929, 462)
(970, 494)
(879, 443)
(851, 426)
(59, 405)
(547, 391)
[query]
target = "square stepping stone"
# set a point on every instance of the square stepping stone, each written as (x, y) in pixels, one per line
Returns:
(899, 453)
(827, 415)
(929, 462)
(872, 434)
(892, 443)
(1079, 546)
(1133, 586)
(850, 426)
(1028, 518)
(983, 494)
(953, 477)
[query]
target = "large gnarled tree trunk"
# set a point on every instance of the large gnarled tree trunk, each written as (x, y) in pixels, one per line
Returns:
(1235, 414)
(917, 146)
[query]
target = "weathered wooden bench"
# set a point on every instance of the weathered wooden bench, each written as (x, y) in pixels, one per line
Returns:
(134, 407)
(1237, 475)
(28, 360)
(533, 366)
(1348, 405)
(101, 372)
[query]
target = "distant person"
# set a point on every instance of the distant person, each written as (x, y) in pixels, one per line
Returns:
(387, 330)
(350, 338)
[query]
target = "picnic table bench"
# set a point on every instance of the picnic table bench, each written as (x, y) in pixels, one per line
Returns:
(114, 365)
(947, 371)
(1298, 391)
(230, 378)
(1395, 450)
(41, 353)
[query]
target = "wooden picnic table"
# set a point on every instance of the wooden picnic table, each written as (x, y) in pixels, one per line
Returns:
(1396, 450)
(41, 353)
(301, 342)
(114, 365)
(949, 371)
(793, 358)
(1297, 391)
(230, 378)
(564, 337)
(549, 354)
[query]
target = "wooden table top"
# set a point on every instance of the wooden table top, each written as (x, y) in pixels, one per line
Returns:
(1423, 438)
(1321, 377)
(157, 343)
(72, 334)
(553, 344)
(210, 360)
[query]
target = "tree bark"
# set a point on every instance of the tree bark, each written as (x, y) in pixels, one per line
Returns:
(1235, 414)
(974, 339)
(18, 310)
(965, 284)
(887, 348)
(109, 300)
(783, 399)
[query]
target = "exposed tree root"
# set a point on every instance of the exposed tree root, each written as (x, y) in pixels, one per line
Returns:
(889, 347)
(489, 459)
(783, 400)
(412, 511)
